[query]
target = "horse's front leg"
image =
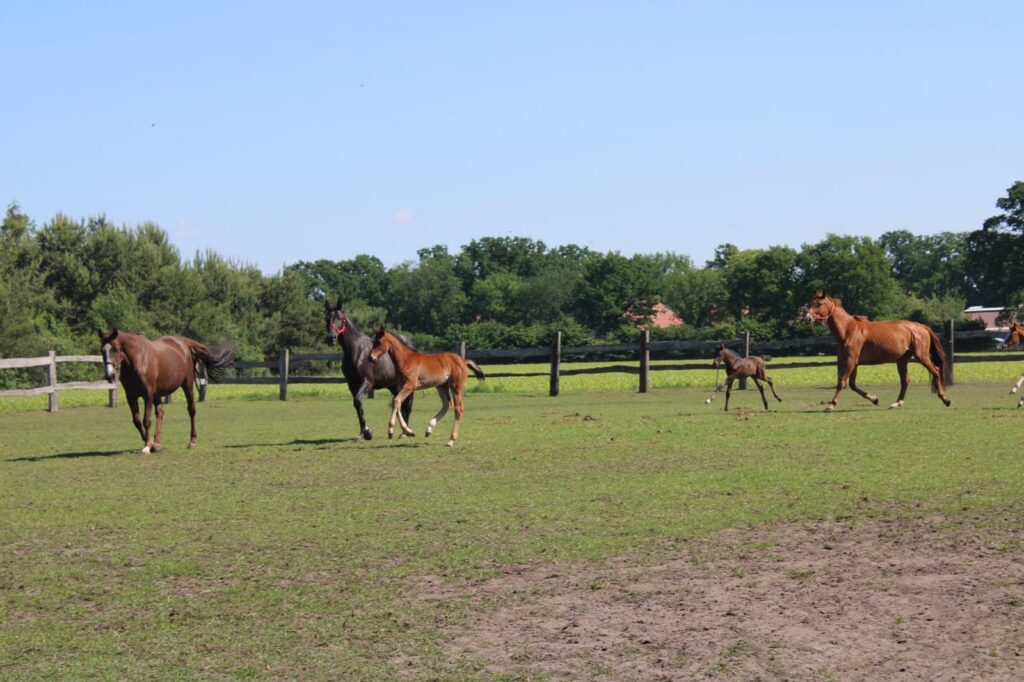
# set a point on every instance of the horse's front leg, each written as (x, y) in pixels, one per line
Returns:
(1016, 386)
(396, 412)
(147, 423)
(133, 405)
(728, 390)
(357, 402)
(849, 366)
(718, 389)
(862, 393)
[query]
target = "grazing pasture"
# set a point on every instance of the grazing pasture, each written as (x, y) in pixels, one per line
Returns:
(283, 548)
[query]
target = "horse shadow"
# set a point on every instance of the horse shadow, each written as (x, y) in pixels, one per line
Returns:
(319, 442)
(70, 455)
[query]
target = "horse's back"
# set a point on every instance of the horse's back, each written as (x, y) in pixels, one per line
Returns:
(889, 340)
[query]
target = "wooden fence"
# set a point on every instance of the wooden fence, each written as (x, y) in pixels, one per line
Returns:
(640, 351)
(52, 386)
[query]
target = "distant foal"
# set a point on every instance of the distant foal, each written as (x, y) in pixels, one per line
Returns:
(736, 366)
(1015, 338)
(445, 371)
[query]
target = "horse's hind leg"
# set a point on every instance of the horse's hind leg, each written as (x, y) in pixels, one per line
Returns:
(859, 391)
(457, 399)
(764, 400)
(771, 385)
(442, 392)
(901, 366)
(1016, 386)
(190, 400)
(718, 389)
(159, 409)
(936, 372)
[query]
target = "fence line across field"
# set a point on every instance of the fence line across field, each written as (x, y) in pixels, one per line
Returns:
(641, 350)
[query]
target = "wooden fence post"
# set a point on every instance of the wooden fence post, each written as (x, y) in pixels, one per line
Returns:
(746, 353)
(282, 368)
(112, 396)
(51, 374)
(556, 362)
(950, 346)
(460, 349)
(645, 359)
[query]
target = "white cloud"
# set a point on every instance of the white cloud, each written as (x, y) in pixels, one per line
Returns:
(405, 216)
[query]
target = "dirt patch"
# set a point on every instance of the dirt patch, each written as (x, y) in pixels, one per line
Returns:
(924, 599)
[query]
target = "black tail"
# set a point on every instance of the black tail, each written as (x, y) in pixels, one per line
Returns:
(476, 369)
(217, 361)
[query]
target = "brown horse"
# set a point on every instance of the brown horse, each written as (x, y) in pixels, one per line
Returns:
(151, 370)
(445, 371)
(1016, 338)
(738, 366)
(862, 342)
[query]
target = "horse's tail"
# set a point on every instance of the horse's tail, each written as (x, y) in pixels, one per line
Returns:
(216, 360)
(476, 369)
(938, 358)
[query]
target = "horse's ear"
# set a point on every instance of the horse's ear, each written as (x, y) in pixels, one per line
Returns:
(327, 304)
(819, 293)
(113, 333)
(99, 333)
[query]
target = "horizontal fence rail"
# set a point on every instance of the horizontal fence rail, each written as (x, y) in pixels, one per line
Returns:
(640, 350)
(52, 386)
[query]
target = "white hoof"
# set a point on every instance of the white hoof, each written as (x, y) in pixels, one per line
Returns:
(830, 408)
(144, 451)
(896, 405)
(451, 443)
(708, 401)
(1013, 390)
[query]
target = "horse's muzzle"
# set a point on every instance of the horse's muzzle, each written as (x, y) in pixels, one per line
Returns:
(331, 340)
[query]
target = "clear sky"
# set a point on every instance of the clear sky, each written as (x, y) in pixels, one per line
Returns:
(273, 132)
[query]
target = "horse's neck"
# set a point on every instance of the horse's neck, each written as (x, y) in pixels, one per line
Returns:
(136, 348)
(354, 341)
(399, 352)
(840, 323)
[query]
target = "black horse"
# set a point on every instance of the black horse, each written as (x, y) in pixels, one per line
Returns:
(362, 376)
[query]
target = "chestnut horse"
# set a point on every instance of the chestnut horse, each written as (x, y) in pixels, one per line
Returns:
(151, 370)
(445, 371)
(1015, 338)
(862, 342)
(739, 366)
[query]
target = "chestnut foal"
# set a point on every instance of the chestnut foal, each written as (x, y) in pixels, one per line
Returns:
(445, 371)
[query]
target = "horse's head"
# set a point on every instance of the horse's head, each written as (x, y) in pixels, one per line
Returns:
(719, 356)
(112, 352)
(1016, 336)
(821, 307)
(336, 320)
(382, 342)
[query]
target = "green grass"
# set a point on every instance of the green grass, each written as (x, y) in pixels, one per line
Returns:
(281, 548)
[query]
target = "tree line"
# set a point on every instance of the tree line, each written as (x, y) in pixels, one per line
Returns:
(62, 280)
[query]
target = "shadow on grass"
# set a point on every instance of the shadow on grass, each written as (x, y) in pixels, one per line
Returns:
(71, 455)
(374, 444)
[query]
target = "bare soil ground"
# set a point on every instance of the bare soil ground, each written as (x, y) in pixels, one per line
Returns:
(867, 599)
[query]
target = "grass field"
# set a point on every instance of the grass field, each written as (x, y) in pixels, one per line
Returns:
(282, 548)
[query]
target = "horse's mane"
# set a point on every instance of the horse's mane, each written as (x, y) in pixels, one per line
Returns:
(863, 318)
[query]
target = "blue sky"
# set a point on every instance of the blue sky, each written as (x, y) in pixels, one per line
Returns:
(278, 132)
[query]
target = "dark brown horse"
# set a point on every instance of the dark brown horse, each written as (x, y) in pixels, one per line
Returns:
(360, 374)
(739, 366)
(1016, 338)
(862, 342)
(150, 370)
(445, 371)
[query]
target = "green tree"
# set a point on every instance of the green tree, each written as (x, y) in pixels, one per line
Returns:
(995, 253)
(427, 296)
(854, 269)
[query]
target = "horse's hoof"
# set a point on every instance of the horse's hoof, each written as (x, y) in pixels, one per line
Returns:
(1013, 390)
(157, 448)
(873, 399)
(144, 451)
(391, 434)
(830, 408)
(451, 444)
(896, 405)
(947, 401)
(708, 401)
